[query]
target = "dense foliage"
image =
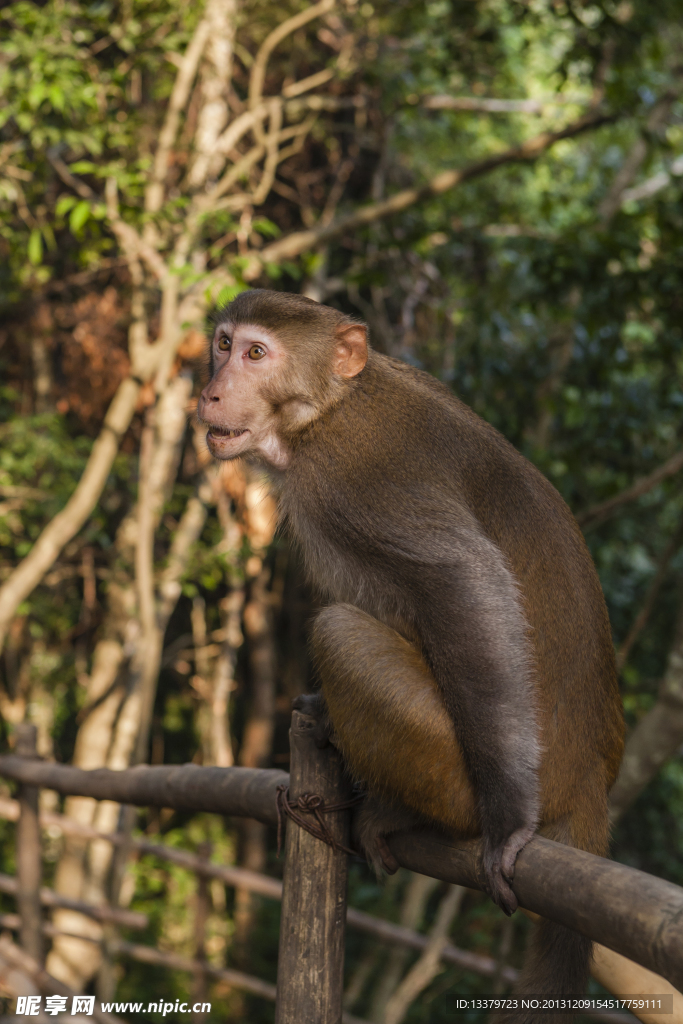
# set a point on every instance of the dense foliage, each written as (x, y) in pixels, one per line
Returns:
(548, 293)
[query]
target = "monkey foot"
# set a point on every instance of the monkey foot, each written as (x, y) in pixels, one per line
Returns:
(389, 862)
(499, 867)
(313, 705)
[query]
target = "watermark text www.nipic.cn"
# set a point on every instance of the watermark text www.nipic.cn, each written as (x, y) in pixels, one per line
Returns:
(30, 1006)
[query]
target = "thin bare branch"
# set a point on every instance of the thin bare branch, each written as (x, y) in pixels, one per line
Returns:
(212, 201)
(236, 131)
(496, 106)
(429, 964)
(144, 533)
(258, 70)
(185, 537)
(413, 906)
(68, 522)
(598, 513)
(80, 187)
(657, 736)
(312, 82)
(302, 241)
(271, 143)
(237, 171)
(651, 186)
(221, 15)
(187, 70)
(653, 591)
(654, 124)
(130, 241)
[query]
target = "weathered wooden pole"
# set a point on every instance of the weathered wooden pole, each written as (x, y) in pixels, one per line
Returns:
(311, 956)
(29, 857)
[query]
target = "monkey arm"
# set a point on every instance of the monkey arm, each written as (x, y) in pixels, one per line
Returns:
(475, 640)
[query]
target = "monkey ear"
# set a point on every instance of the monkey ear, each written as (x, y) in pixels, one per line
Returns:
(350, 350)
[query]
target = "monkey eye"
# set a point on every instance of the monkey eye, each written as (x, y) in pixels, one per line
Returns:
(224, 343)
(256, 352)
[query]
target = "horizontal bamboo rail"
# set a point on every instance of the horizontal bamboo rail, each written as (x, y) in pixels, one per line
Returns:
(626, 910)
(243, 792)
(49, 898)
(266, 886)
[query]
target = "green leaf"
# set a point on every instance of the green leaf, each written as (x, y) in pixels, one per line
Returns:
(36, 95)
(79, 215)
(56, 97)
(228, 293)
(35, 247)
(64, 204)
(266, 227)
(83, 167)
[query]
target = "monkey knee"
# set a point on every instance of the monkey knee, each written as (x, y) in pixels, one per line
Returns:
(341, 631)
(331, 628)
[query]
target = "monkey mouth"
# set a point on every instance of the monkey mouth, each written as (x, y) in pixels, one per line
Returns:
(218, 432)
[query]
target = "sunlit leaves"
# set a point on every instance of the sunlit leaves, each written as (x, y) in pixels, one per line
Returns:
(35, 246)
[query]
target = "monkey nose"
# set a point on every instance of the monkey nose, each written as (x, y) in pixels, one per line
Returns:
(208, 395)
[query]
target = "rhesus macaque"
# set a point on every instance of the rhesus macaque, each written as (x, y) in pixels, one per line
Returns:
(466, 659)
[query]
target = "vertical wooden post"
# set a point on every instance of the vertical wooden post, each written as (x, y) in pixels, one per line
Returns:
(201, 914)
(311, 956)
(29, 856)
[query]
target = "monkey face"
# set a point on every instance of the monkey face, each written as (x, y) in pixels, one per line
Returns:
(245, 360)
(270, 382)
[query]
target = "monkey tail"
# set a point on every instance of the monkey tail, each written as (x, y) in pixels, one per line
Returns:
(558, 960)
(557, 963)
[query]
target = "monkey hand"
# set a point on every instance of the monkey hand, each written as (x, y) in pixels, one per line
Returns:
(499, 867)
(313, 705)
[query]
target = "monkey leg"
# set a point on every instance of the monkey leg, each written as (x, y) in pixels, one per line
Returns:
(389, 719)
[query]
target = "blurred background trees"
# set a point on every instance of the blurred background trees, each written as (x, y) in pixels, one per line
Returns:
(495, 187)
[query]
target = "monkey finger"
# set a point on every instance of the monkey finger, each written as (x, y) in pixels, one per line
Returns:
(496, 866)
(514, 844)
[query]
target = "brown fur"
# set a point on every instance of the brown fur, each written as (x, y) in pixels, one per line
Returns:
(466, 660)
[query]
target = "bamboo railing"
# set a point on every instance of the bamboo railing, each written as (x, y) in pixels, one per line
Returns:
(627, 911)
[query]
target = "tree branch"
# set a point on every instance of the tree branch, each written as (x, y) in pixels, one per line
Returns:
(495, 106)
(657, 736)
(302, 241)
(258, 70)
(68, 522)
(651, 596)
(633, 162)
(216, 74)
(429, 964)
(185, 537)
(188, 68)
(80, 187)
(130, 241)
(598, 513)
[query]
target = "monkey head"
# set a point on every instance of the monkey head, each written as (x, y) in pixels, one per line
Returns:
(277, 361)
